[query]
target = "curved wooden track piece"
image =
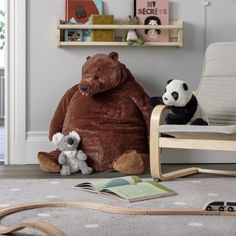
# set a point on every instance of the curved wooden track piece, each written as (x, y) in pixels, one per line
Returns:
(52, 230)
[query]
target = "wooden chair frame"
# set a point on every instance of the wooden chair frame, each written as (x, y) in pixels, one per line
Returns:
(157, 143)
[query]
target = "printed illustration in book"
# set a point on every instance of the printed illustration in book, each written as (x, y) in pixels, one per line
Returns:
(80, 12)
(153, 12)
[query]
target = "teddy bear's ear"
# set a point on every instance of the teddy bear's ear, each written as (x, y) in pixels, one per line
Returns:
(75, 135)
(56, 138)
(169, 81)
(88, 57)
(114, 56)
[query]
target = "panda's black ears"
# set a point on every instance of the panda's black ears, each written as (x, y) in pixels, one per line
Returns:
(185, 86)
(169, 81)
(88, 57)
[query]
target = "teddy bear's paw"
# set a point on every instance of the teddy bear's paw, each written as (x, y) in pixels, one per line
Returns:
(170, 118)
(48, 162)
(131, 162)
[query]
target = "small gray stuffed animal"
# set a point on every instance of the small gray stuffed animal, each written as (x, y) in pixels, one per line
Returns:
(71, 159)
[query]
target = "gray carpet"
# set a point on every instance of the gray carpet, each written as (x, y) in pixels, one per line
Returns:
(193, 192)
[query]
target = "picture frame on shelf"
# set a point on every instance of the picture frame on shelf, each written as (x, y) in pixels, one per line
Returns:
(152, 12)
(73, 35)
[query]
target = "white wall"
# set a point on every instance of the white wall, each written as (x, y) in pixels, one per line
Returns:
(2, 52)
(51, 70)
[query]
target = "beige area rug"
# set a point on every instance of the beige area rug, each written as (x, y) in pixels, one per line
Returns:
(192, 193)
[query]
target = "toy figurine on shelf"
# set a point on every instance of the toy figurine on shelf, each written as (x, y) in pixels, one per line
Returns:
(131, 36)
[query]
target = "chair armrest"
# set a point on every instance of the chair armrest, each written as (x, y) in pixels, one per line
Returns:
(156, 116)
(155, 164)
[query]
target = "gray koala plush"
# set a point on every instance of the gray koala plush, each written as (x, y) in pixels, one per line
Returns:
(71, 159)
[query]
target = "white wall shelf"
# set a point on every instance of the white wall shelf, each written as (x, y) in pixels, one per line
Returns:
(175, 34)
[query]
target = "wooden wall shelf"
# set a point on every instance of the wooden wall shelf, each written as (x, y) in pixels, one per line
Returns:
(175, 34)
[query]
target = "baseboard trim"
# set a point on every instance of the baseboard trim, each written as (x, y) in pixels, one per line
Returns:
(37, 141)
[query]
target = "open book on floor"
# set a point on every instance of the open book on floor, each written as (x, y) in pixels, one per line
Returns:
(130, 188)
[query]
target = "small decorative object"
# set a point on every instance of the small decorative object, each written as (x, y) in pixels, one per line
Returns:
(155, 12)
(183, 105)
(70, 158)
(102, 35)
(110, 111)
(73, 35)
(72, 21)
(131, 36)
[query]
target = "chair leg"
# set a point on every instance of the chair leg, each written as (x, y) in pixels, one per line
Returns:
(155, 164)
(217, 172)
(179, 173)
(155, 159)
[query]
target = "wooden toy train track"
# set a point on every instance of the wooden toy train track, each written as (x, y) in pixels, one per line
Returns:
(52, 230)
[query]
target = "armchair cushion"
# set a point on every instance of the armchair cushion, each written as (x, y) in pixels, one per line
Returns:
(216, 131)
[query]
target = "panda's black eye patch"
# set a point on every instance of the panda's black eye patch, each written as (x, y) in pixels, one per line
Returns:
(175, 95)
(185, 86)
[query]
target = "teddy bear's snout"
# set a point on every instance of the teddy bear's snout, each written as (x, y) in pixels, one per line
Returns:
(70, 141)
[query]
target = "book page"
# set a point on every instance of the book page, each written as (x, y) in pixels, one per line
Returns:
(140, 191)
(99, 184)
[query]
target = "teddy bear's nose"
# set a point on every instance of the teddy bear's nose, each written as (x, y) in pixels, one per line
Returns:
(165, 98)
(70, 141)
(83, 87)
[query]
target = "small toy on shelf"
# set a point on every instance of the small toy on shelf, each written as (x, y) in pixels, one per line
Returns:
(131, 36)
(71, 159)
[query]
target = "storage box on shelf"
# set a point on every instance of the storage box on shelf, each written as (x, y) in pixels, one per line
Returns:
(175, 34)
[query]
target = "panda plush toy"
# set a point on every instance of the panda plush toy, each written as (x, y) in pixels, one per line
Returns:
(183, 104)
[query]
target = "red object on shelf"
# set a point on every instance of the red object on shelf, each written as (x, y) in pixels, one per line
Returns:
(81, 10)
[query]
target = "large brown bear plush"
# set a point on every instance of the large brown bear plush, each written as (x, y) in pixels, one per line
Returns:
(111, 112)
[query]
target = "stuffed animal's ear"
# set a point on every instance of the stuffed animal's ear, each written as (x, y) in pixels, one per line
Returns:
(88, 57)
(114, 56)
(169, 81)
(56, 138)
(75, 135)
(185, 86)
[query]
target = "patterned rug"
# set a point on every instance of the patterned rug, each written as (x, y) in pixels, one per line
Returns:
(192, 193)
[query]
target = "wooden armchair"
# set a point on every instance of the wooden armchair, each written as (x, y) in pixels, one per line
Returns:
(217, 96)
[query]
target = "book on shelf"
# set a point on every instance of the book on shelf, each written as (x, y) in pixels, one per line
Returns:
(80, 11)
(73, 35)
(102, 35)
(152, 12)
(130, 188)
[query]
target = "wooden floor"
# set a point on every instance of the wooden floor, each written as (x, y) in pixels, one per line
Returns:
(34, 172)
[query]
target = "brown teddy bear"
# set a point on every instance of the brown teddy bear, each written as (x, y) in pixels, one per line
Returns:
(111, 112)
